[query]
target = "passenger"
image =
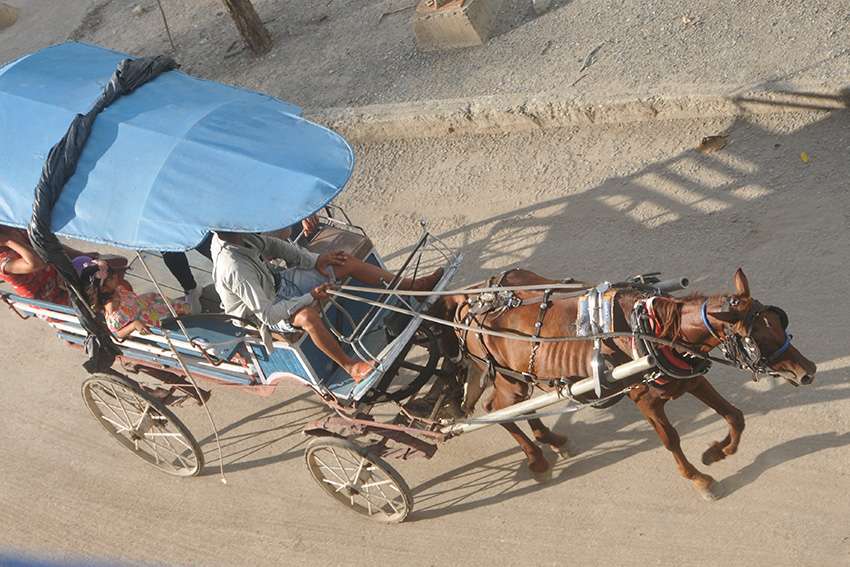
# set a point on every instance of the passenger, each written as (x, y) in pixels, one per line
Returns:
(178, 263)
(23, 269)
(124, 310)
(283, 299)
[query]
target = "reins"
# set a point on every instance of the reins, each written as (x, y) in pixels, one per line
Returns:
(514, 336)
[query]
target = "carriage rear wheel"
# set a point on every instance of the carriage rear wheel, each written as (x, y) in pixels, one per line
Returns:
(359, 481)
(142, 424)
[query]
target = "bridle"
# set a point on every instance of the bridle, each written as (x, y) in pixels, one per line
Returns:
(742, 349)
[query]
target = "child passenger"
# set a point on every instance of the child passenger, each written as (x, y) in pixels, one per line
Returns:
(124, 310)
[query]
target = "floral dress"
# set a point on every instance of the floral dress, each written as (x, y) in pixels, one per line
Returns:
(149, 307)
(43, 284)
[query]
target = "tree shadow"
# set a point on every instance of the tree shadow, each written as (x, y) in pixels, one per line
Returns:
(760, 201)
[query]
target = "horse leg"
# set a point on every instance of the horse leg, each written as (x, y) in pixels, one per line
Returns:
(506, 394)
(652, 408)
(719, 450)
(546, 436)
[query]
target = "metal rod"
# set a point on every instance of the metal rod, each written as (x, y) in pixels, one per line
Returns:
(619, 373)
(529, 406)
(185, 368)
(673, 285)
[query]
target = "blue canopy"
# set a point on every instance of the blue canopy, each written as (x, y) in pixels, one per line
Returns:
(165, 164)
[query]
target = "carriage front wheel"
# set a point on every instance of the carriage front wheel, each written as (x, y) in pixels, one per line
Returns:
(142, 424)
(359, 481)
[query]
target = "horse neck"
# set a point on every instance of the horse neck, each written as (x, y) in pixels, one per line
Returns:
(680, 319)
(691, 328)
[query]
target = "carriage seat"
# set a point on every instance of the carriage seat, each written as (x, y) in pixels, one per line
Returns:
(214, 332)
(331, 238)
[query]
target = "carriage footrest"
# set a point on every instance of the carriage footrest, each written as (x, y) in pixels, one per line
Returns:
(413, 446)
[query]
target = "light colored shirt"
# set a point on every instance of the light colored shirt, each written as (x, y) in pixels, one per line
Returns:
(244, 281)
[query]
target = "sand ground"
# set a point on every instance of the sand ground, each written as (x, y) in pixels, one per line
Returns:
(605, 193)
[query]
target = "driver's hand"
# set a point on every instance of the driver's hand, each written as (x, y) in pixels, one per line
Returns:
(337, 258)
(310, 224)
(320, 292)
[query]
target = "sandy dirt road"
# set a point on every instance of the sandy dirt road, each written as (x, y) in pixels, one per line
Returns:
(594, 202)
(598, 203)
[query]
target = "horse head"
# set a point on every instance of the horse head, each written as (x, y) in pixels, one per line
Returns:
(754, 335)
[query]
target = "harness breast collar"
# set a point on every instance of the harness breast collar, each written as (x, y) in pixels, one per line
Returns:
(669, 363)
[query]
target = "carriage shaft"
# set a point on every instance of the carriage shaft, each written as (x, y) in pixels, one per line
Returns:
(529, 406)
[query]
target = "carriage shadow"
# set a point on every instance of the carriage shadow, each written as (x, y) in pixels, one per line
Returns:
(266, 437)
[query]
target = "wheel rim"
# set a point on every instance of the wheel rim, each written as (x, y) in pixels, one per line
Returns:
(362, 483)
(142, 425)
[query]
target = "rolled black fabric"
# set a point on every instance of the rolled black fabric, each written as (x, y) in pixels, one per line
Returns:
(59, 167)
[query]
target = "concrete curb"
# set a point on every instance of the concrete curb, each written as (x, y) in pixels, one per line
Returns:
(491, 114)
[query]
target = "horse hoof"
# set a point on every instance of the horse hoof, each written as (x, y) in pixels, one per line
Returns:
(711, 492)
(544, 476)
(565, 451)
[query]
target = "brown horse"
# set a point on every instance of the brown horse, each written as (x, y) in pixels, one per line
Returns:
(751, 335)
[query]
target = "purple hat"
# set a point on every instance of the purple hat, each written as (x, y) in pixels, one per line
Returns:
(83, 262)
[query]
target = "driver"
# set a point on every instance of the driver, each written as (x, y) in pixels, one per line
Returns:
(283, 299)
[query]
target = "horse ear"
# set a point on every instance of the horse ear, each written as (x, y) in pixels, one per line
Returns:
(730, 317)
(741, 283)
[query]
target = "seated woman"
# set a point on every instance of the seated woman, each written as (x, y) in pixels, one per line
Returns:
(279, 299)
(125, 311)
(23, 269)
(30, 276)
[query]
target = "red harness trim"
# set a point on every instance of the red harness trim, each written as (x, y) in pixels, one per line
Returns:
(669, 354)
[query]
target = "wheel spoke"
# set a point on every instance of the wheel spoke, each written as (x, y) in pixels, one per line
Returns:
(121, 405)
(362, 483)
(142, 424)
(119, 427)
(336, 484)
(355, 478)
(144, 414)
(113, 409)
(330, 469)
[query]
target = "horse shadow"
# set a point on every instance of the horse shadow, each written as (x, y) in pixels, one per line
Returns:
(782, 454)
(505, 475)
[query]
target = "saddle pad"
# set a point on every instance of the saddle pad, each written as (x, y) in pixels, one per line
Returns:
(583, 321)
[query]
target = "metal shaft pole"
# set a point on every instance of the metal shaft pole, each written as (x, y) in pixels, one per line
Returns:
(529, 406)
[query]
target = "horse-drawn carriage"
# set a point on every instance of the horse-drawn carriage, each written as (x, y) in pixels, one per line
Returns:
(170, 158)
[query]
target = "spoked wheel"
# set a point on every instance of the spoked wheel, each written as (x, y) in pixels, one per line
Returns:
(142, 424)
(359, 481)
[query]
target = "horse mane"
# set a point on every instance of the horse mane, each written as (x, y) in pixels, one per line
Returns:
(669, 314)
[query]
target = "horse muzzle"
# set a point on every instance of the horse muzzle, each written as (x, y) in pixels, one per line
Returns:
(802, 376)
